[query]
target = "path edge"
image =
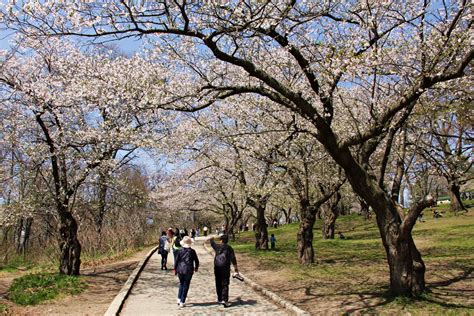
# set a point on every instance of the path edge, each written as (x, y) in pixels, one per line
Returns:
(116, 306)
(267, 293)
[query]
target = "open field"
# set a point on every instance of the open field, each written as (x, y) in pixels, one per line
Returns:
(352, 275)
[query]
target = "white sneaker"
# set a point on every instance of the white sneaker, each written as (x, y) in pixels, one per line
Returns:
(178, 301)
(181, 305)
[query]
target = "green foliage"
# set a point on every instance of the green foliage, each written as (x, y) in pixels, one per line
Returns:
(32, 289)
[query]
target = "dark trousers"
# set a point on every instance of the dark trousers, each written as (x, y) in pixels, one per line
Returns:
(175, 253)
(164, 258)
(222, 283)
(184, 282)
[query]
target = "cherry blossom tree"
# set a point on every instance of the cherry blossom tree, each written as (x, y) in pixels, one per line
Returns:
(68, 109)
(446, 143)
(234, 160)
(314, 181)
(352, 69)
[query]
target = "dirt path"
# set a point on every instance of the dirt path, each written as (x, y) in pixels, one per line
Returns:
(103, 281)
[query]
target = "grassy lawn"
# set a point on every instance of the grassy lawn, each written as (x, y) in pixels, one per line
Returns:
(351, 275)
(32, 289)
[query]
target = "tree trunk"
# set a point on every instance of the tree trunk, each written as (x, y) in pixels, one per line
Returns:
(24, 231)
(261, 232)
(330, 212)
(455, 197)
(69, 245)
(364, 208)
(101, 205)
(305, 239)
(329, 222)
(407, 269)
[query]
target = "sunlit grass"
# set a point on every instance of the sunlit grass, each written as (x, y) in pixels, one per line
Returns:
(32, 289)
(358, 263)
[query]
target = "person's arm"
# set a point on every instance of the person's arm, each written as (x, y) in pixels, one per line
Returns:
(233, 260)
(213, 243)
(196, 261)
(178, 259)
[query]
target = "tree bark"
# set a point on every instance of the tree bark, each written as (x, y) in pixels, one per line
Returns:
(330, 213)
(101, 204)
(69, 245)
(407, 268)
(24, 230)
(261, 232)
(305, 238)
(455, 197)
(364, 208)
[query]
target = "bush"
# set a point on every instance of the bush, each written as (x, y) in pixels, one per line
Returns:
(32, 289)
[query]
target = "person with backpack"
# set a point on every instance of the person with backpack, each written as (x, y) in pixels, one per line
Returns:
(186, 264)
(225, 256)
(163, 250)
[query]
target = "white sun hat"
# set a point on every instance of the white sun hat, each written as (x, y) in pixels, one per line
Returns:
(187, 242)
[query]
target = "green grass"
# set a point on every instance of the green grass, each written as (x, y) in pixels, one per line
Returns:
(16, 263)
(357, 265)
(32, 289)
(3, 308)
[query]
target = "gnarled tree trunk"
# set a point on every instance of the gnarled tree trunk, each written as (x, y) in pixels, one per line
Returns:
(455, 197)
(329, 214)
(407, 269)
(261, 232)
(305, 236)
(69, 245)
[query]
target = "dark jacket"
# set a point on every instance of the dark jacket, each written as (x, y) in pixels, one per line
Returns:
(185, 259)
(226, 251)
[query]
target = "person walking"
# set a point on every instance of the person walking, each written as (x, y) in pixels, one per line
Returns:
(186, 264)
(225, 256)
(176, 245)
(163, 250)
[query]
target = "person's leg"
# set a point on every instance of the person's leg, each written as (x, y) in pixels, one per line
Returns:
(187, 283)
(225, 285)
(181, 286)
(218, 285)
(165, 258)
(175, 252)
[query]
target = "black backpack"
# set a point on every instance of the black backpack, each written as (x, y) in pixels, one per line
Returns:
(222, 258)
(177, 242)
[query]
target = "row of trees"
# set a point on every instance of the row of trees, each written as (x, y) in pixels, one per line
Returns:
(306, 95)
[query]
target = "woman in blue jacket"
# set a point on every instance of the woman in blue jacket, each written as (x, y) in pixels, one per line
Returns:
(186, 264)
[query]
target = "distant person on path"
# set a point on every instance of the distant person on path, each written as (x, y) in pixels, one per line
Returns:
(176, 246)
(224, 257)
(193, 233)
(205, 230)
(272, 241)
(163, 250)
(186, 264)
